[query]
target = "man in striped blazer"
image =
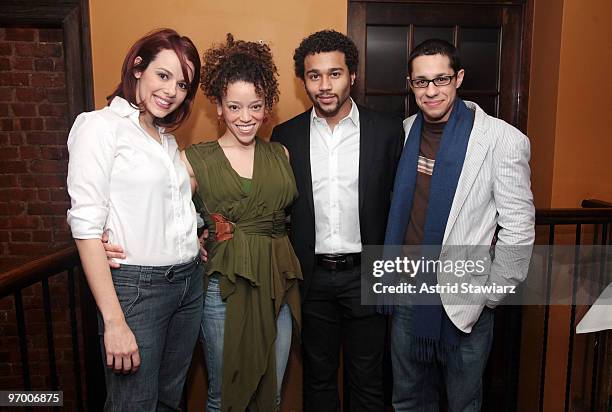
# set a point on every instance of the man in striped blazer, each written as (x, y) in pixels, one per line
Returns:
(461, 175)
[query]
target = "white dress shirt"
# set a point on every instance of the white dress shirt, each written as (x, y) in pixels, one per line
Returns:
(334, 163)
(121, 180)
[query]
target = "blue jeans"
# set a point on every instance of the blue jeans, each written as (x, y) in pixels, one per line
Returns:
(213, 328)
(416, 386)
(162, 307)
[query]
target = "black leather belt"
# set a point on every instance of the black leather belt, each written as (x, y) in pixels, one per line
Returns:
(338, 262)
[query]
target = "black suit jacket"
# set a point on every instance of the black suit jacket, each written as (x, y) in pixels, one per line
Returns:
(381, 142)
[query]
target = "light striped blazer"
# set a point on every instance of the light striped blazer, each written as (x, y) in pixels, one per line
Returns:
(494, 189)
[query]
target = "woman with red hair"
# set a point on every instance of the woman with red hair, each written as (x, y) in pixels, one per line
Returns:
(126, 177)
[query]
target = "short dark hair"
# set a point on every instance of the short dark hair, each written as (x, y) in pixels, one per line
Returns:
(239, 60)
(326, 41)
(147, 49)
(436, 46)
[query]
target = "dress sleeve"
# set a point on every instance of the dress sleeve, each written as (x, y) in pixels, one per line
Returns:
(91, 147)
(279, 149)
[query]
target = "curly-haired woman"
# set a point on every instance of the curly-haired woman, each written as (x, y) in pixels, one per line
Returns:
(244, 185)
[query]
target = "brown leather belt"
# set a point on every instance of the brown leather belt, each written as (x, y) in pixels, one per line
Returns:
(338, 262)
(224, 229)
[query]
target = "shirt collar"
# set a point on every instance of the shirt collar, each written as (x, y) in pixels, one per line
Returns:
(125, 109)
(353, 115)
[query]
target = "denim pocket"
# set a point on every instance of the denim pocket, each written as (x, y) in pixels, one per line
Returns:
(127, 287)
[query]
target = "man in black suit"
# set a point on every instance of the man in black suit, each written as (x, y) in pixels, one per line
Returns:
(344, 158)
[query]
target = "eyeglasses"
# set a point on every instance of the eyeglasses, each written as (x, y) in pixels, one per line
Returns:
(438, 81)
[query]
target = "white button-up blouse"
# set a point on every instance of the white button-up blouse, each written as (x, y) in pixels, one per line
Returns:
(121, 180)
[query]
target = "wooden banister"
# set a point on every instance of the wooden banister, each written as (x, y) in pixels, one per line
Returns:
(573, 216)
(37, 270)
(590, 203)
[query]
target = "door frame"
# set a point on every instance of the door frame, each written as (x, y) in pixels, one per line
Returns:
(72, 16)
(356, 30)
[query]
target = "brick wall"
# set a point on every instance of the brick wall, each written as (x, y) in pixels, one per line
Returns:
(33, 157)
(33, 199)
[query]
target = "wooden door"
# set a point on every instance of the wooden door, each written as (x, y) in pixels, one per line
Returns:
(489, 37)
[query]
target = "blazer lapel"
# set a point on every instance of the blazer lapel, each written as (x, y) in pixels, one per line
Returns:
(302, 155)
(476, 153)
(366, 151)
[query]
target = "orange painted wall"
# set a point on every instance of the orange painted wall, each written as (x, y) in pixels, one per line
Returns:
(116, 24)
(543, 91)
(569, 108)
(569, 102)
(583, 144)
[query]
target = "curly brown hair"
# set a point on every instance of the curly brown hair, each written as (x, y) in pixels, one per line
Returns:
(322, 42)
(239, 60)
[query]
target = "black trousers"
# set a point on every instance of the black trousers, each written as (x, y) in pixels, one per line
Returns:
(333, 317)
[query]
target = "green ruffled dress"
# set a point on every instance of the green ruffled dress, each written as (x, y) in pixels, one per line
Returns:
(257, 267)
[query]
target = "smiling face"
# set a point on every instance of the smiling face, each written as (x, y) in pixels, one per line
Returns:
(328, 84)
(436, 102)
(161, 87)
(243, 111)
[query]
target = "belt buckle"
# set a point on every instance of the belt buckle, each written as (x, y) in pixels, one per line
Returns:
(340, 264)
(335, 265)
